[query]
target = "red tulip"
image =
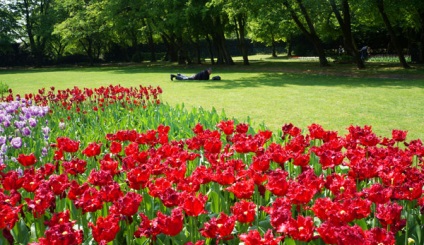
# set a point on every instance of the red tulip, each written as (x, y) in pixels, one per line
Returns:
(115, 147)
(75, 166)
(9, 214)
(377, 193)
(138, 177)
(27, 160)
(11, 180)
(342, 186)
(242, 128)
(99, 178)
(76, 190)
(243, 189)
(194, 205)
(219, 228)
(111, 192)
(147, 228)
(62, 234)
(128, 204)
(67, 145)
(92, 150)
(170, 225)
(59, 218)
(399, 135)
(388, 213)
(105, 229)
(226, 126)
(277, 182)
(59, 183)
(89, 201)
(253, 237)
(44, 199)
(380, 236)
(244, 211)
(300, 229)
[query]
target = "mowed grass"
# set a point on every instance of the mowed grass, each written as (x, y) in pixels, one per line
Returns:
(271, 92)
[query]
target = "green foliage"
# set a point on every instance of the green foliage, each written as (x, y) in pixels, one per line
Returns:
(8, 24)
(94, 125)
(53, 28)
(4, 88)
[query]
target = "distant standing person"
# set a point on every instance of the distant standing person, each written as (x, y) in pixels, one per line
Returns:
(203, 75)
(365, 51)
(341, 50)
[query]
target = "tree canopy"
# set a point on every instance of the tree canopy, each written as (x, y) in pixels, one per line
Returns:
(188, 31)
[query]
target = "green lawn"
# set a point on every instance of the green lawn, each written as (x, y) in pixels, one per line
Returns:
(269, 91)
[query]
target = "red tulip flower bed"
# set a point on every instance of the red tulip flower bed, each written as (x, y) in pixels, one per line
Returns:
(220, 185)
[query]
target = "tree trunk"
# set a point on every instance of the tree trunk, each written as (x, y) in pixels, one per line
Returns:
(394, 40)
(151, 42)
(218, 37)
(273, 45)
(310, 33)
(88, 49)
(136, 57)
(182, 52)
(210, 48)
(171, 51)
(289, 46)
(421, 40)
(37, 42)
(241, 23)
(421, 48)
(198, 50)
(345, 25)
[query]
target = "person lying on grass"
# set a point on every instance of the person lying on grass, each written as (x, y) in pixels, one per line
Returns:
(203, 75)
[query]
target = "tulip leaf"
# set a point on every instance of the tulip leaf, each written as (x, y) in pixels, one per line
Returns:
(21, 232)
(289, 241)
(362, 224)
(33, 232)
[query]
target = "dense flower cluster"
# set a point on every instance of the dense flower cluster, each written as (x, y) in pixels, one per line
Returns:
(101, 97)
(20, 121)
(306, 187)
(212, 185)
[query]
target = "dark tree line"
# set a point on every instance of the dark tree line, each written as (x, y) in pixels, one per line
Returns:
(53, 31)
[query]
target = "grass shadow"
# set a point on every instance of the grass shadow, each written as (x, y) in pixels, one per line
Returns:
(286, 79)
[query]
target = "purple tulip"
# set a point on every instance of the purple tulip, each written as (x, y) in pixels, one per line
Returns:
(16, 142)
(46, 130)
(3, 149)
(32, 122)
(19, 124)
(26, 131)
(44, 151)
(6, 123)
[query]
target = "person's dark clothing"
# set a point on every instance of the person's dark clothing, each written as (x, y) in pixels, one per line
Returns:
(203, 75)
(364, 52)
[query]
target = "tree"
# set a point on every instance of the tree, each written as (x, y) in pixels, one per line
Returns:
(37, 21)
(131, 25)
(238, 12)
(85, 26)
(393, 36)
(171, 23)
(303, 20)
(8, 23)
(342, 13)
(271, 24)
(216, 22)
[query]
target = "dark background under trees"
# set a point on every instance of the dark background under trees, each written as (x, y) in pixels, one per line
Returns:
(56, 32)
